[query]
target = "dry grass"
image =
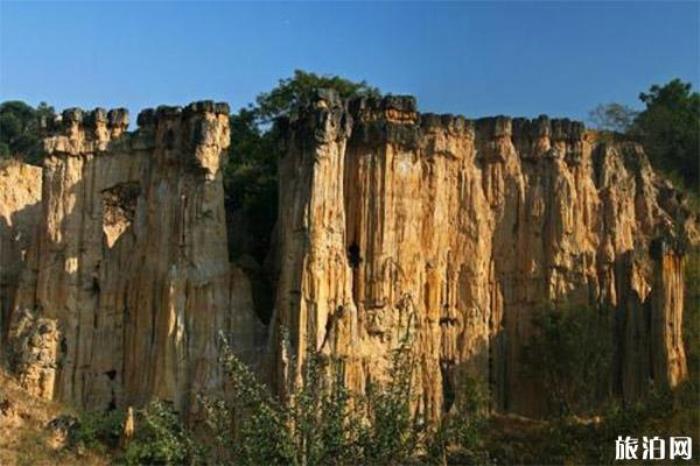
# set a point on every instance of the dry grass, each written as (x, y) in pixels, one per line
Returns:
(24, 437)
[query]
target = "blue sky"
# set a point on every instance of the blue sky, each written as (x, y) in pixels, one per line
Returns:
(474, 59)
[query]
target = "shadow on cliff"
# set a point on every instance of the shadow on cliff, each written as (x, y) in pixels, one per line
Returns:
(62, 280)
(518, 386)
(16, 237)
(251, 245)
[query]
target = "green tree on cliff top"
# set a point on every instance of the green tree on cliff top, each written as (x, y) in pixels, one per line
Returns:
(292, 91)
(20, 129)
(669, 128)
(250, 175)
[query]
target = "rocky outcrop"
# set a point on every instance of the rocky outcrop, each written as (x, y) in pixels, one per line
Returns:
(131, 270)
(396, 229)
(20, 210)
(450, 233)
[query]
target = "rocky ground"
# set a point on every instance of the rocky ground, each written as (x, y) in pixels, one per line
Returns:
(29, 437)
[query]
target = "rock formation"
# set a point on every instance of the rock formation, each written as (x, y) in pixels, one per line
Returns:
(20, 210)
(130, 283)
(395, 229)
(452, 232)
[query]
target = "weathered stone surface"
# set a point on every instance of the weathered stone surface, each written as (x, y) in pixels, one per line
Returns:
(34, 353)
(395, 227)
(20, 210)
(131, 265)
(453, 232)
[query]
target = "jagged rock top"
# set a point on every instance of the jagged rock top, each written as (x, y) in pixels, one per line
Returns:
(76, 131)
(119, 117)
(151, 116)
(396, 119)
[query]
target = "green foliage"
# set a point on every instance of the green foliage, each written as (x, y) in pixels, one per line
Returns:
(612, 117)
(460, 435)
(321, 422)
(250, 174)
(391, 434)
(670, 128)
(98, 430)
(570, 354)
(20, 126)
(160, 438)
(289, 93)
(312, 427)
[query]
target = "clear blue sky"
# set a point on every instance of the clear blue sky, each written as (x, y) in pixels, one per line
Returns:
(474, 59)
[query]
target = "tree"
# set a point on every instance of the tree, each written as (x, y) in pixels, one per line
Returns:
(20, 129)
(250, 172)
(669, 128)
(320, 423)
(250, 180)
(612, 117)
(291, 92)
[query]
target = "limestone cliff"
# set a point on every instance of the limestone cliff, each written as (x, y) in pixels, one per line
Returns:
(452, 232)
(130, 284)
(20, 210)
(395, 228)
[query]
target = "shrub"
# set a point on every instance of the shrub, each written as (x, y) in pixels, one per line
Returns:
(570, 355)
(321, 422)
(98, 430)
(160, 438)
(460, 435)
(390, 434)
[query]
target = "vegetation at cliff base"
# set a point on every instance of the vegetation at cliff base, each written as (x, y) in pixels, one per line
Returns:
(322, 422)
(570, 355)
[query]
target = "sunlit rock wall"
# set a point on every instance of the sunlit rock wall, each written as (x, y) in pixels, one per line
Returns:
(451, 233)
(131, 283)
(396, 229)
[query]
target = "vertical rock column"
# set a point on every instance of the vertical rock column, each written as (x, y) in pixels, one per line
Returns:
(56, 312)
(314, 297)
(20, 212)
(130, 283)
(178, 296)
(668, 360)
(455, 233)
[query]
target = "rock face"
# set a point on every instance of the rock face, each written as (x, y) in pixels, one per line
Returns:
(130, 283)
(450, 233)
(395, 229)
(20, 210)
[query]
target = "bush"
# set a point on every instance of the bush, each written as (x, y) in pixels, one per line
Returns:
(160, 438)
(98, 430)
(322, 422)
(570, 355)
(460, 435)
